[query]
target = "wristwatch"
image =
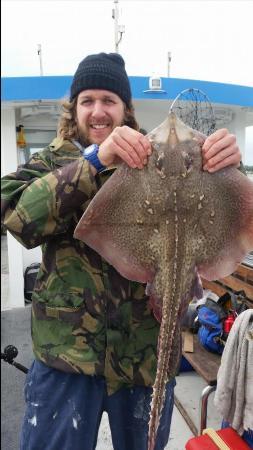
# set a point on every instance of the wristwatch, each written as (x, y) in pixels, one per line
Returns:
(91, 154)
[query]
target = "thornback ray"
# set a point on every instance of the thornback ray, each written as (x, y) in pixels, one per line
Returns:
(168, 224)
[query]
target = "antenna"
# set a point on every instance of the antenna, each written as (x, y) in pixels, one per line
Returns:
(39, 52)
(169, 61)
(118, 29)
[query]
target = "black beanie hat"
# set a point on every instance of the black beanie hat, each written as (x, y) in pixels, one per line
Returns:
(102, 71)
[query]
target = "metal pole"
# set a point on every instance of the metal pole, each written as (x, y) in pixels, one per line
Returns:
(203, 406)
(169, 61)
(118, 29)
(116, 25)
(40, 58)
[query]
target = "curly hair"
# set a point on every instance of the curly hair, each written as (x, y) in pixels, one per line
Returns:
(67, 126)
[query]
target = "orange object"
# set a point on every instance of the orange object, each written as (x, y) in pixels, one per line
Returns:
(21, 142)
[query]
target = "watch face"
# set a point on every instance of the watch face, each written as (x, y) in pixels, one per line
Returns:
(90, 149)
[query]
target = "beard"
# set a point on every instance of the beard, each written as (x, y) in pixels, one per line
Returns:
(83, 137)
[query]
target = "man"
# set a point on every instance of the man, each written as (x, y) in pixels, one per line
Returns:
(94, 336)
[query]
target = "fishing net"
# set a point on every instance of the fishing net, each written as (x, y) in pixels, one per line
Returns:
(194, 108)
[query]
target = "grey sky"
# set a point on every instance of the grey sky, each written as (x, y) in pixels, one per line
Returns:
(209, 40)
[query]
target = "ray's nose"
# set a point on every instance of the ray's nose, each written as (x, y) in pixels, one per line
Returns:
(173, 138)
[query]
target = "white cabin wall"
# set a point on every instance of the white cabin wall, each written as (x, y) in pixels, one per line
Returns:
(238, 127)
(9, 160)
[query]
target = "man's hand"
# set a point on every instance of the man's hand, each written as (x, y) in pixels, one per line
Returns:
(125, 144)
(220, 150)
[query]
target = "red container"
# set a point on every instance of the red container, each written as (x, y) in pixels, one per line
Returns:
(229, 437)
(228, 323)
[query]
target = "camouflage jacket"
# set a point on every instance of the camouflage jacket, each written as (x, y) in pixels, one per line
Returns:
(86, 318)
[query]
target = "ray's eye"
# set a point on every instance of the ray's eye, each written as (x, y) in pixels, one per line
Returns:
(160, 162)
(188, 161)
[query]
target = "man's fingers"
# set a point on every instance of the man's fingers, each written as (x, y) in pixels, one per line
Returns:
(146, 144)
(213, 138)
(219, 150)
(126, 157)
(134, 143)
(228, 141)
(218, 157)
(132, 149)
(126, 144)
(229, 161)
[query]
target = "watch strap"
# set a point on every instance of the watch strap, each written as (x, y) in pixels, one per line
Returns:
(91, 154)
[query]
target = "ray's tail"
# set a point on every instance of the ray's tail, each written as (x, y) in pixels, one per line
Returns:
(166, 335)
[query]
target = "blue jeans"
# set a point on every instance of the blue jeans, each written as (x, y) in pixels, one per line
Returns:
(64, 412)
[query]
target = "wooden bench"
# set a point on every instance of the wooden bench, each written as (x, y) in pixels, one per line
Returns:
(240, 280)
(205, 363)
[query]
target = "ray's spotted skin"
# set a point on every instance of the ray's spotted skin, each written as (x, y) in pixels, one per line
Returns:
(165, 226)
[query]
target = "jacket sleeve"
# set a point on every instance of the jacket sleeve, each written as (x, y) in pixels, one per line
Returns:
(39, 200)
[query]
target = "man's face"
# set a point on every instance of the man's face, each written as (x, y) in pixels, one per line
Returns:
(98, 113)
